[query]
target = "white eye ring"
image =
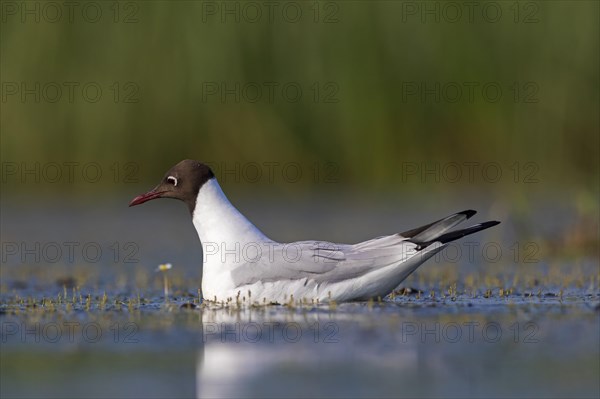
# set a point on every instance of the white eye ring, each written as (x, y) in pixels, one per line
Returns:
(173, 180)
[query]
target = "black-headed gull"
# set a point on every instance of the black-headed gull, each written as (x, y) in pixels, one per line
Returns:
(240, 260)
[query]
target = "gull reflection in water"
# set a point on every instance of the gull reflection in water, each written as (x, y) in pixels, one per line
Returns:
(358, 361)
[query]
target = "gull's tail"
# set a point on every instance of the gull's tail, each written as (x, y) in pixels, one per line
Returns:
(438, 231)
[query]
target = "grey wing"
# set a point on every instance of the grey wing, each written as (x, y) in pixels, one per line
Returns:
(322, 261)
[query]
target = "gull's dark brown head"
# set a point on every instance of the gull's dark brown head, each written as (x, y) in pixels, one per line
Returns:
(182, 182)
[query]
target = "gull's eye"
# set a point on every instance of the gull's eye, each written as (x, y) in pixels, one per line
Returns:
(172, 180)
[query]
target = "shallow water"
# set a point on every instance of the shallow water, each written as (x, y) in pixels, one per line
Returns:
(463, 327)
(424, 348)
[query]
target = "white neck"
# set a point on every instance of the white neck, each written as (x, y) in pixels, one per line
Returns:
(217, 221)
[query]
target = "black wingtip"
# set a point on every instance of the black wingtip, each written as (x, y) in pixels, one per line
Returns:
(487, 225)
(455, 235)
(468, 213)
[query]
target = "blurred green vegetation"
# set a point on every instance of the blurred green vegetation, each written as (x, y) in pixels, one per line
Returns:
(167, 56)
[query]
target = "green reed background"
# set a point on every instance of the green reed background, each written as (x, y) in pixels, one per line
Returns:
(155, 61)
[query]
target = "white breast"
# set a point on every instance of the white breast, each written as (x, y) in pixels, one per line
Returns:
(224, 232)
